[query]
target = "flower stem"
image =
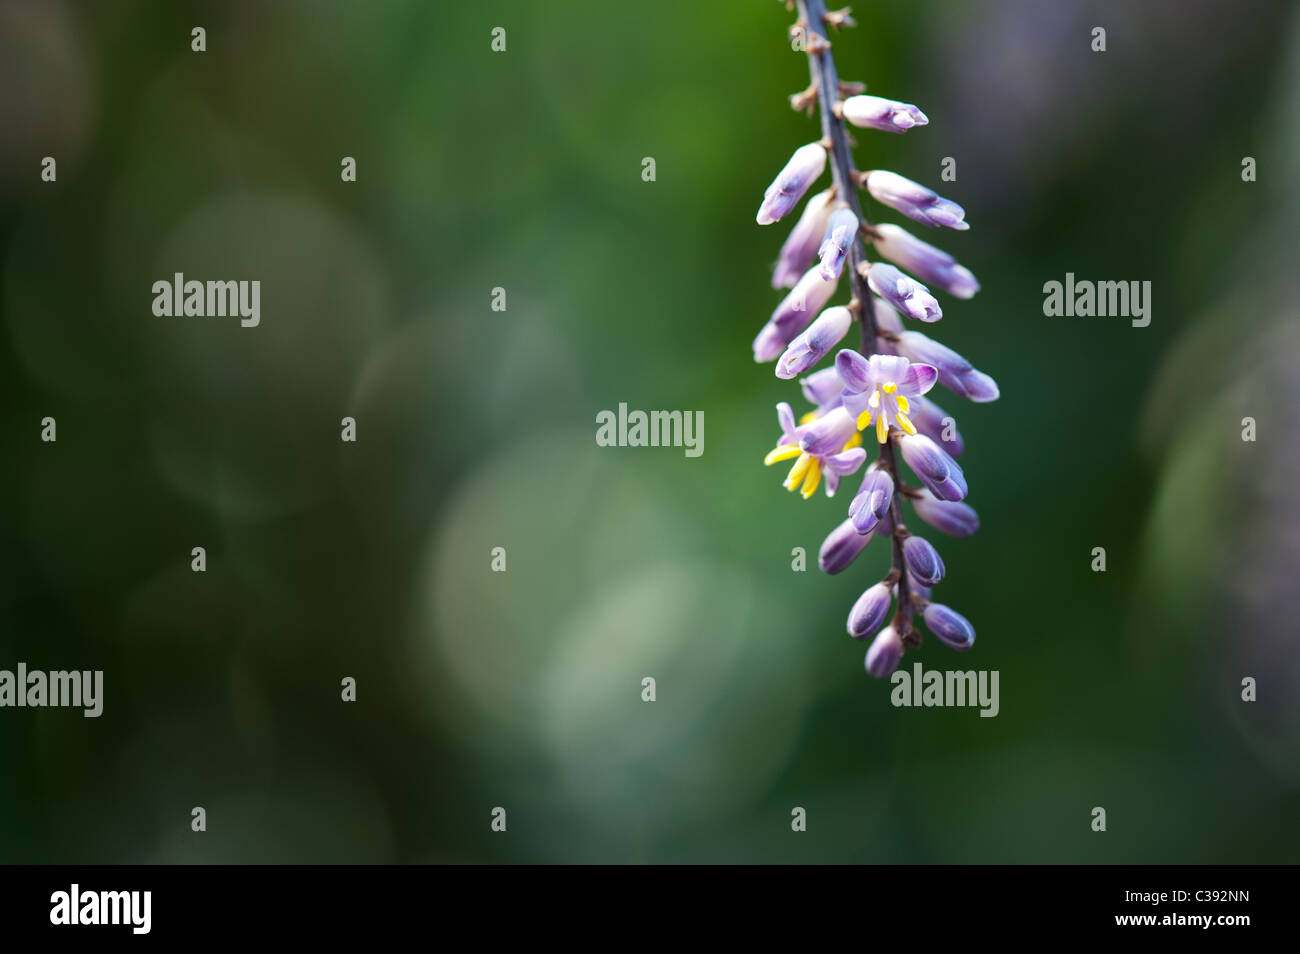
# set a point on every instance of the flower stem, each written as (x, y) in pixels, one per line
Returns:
(821, 67)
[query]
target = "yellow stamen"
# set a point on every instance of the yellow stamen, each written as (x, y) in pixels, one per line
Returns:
(784, 452)
(874, 400)
(864, 419)
(890, 388)
(810, 416)
(854, 441)
(882, 429)
(903, 404)
(812, 480)
(797, 471)
(903, 422)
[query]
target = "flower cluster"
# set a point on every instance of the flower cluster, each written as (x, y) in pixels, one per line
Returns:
(882, 388)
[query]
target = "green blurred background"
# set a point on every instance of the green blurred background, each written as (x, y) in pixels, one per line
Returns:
(476, 428)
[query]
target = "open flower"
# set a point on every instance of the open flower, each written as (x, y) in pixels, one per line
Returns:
(877, 389)
(819, 447)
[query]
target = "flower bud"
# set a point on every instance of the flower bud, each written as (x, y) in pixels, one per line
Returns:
(952, 517)
(873, 500)
(915, 200)
(797, 309)
(884, 653)
(840, 232)
(923, 260)
(813, 344)
(949, 626)
(935, 423)
(870, 611)
(910, 297)
(841, 547)
(887, 115)
(801, 246)
(979, 387)
(769, 343)
(791, 183)
(922, 560)
(934, 466)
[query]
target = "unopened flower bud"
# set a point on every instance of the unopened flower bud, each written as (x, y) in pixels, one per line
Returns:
(792, 182)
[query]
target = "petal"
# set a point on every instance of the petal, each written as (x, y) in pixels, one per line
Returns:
(785, 416)
(846, 462)
(854, 370)
(917, 379)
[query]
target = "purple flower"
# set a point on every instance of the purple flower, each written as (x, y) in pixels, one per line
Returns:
(791, 183)
(836, 451)
(915, 200)
(952, 517)
(955, 372)
(870, 610)
(923, 260)
(949, 626)
(879, 388)
(934, 466)
(910, 297)
(840, 231)
(884, 653)
(801, 246)
(922, 560)
(886, 115)
(873, 500)
(813, 344)
(841, 547)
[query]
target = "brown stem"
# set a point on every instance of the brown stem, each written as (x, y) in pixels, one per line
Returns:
(821, 67)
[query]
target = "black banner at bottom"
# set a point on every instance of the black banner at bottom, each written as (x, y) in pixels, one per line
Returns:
(364, 903)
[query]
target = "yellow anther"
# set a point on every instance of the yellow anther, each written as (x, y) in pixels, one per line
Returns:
(882, 429)
(797, 471)
(903, 422)
(903, 404)
(812, 480)
(890, 388)
(874, 400)
(864, 419)
(854, 441)
(810, 416)
(784, 452)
